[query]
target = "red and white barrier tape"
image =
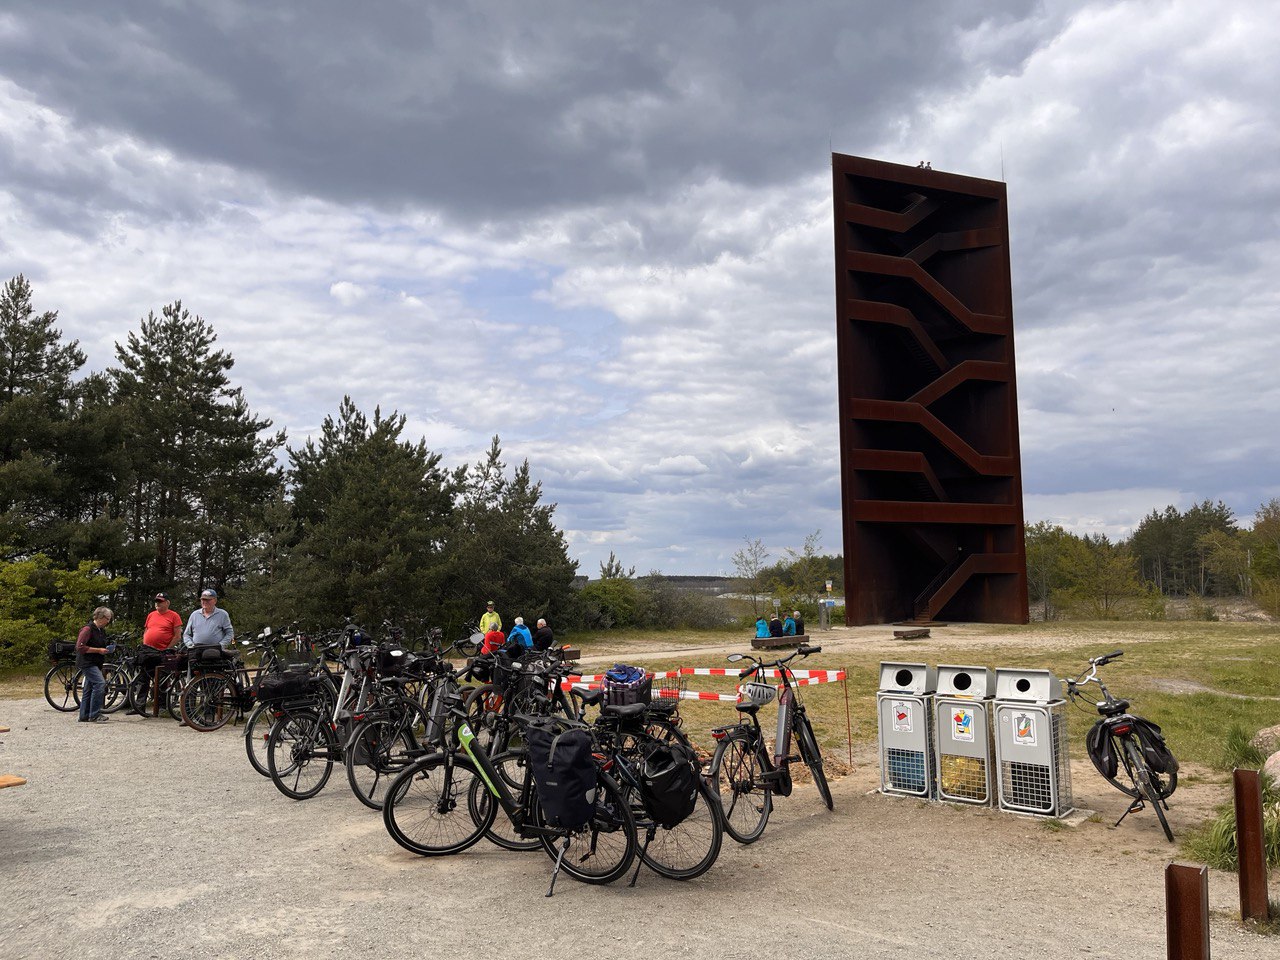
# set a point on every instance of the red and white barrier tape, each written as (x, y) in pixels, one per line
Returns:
(802, 678)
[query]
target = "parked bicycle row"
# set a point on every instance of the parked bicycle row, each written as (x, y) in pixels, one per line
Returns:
(503, 749)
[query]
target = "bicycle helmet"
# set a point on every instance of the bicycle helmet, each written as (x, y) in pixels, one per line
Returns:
(757, 693)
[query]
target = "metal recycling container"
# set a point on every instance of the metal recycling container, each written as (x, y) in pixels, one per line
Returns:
(1031, 743)
(904, 707)
(965, 735)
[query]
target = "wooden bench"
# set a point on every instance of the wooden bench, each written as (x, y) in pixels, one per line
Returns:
(777, 643)
(918, 634)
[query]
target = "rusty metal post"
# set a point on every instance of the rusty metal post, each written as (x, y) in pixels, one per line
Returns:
(1253, 858)
(1186, 898)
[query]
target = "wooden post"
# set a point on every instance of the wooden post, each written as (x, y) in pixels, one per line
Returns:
(1186, 898)
(1253, 858)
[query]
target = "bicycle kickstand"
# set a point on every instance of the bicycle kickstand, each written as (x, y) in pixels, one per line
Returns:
(1133, 808)
(556, 872)
(648, 838)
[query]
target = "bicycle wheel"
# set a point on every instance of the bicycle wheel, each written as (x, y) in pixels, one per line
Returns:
(688, 849)
(206, 702)
(512, 767)
(299, 754)
(172, 692)
(422, 811)
(1143, 780)
(601, 851)
(60, 686)
(380, 750)
(256, 731)
(116, 695)
(745, 800)
(812, 756)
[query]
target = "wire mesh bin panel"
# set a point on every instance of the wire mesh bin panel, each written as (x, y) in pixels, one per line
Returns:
(964, 737)
(906, 734)
(1031, 751)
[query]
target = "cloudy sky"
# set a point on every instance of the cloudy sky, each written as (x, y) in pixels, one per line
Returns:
(603, 231)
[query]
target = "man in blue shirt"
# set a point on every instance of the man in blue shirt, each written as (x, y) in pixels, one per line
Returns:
(522, 633)
(208, 625)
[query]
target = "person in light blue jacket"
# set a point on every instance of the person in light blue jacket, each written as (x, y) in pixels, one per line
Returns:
(762, 626)
(788, 627)
(522, 633)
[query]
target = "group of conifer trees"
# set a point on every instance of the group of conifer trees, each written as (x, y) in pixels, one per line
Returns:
(155, 474)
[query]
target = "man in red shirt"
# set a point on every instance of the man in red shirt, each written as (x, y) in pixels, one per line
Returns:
(161, 631)
(163, 625)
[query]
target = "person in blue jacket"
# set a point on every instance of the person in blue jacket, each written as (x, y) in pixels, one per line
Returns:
(788, 627)
(522, 633)
(762, 626)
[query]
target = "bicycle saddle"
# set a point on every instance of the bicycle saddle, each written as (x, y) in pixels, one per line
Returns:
(591, 697)
(623, 711)
(747, 707)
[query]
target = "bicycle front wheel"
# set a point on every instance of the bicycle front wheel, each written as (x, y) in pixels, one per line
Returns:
(746, 800)
(206, 702)
(1143, 780)
(256, 733)
(426, 809)
(380, 750)
(812, 756)
(116, 695)
(60, 686)
(603, 849)
(688, 849)
(300, 755)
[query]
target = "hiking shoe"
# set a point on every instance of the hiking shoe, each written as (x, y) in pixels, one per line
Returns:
(100, 718)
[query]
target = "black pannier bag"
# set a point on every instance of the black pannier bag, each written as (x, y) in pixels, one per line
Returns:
(208, 654)
(564, 772)
(669, 783)
(275, 687)
(62, 649)
(391, 660)
(1154, 749)
(1098, 746)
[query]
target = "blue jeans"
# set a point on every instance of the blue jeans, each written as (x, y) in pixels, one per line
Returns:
(95, 688)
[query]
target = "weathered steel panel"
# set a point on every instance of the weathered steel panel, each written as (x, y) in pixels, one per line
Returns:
(931, 471)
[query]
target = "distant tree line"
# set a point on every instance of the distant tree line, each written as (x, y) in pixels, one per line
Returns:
(155, 474)
(1195, 554)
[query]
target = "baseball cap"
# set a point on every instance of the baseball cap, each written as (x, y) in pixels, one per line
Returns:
(490, 603)
(162, 596)
(209, 593)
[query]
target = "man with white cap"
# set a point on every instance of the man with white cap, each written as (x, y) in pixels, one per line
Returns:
(522, 633)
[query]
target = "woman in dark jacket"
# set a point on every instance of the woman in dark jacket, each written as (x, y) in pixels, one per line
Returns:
(92, 647)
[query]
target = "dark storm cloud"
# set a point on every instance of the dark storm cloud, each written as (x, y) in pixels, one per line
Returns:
(499, 109)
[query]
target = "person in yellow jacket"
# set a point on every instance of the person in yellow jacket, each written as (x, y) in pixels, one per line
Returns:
(490, 619)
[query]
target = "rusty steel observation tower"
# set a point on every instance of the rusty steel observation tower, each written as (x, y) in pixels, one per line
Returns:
(931, 475)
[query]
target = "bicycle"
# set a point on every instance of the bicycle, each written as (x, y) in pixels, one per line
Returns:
(628, 738)
(745, 774)
(60, 682)
(444, 803)
(64, 681)
(1121, 738)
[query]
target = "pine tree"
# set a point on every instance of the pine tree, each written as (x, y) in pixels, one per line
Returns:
(202, 469)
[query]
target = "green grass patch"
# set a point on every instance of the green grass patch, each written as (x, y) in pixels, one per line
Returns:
(1214, 843)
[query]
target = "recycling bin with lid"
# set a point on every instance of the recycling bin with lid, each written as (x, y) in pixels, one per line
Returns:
(904, 707)
(1031, 743)
(965, 735)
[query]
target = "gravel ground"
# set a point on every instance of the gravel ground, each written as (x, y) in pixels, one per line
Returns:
(138, 838)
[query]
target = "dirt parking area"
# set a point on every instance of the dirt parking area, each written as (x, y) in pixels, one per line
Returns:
(138, 838)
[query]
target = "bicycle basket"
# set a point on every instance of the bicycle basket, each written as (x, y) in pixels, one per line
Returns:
(62, 649)
(757, 693)
(625, 685)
